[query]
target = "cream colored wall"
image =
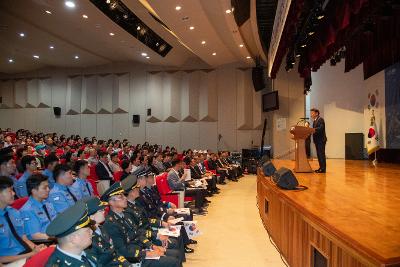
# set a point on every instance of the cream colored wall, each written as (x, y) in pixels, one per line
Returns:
(213, 113)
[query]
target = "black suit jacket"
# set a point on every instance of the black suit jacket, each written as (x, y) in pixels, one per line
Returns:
(102, 172)
(319, 136)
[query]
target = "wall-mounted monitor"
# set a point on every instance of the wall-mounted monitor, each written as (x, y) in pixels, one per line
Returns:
(270, 101)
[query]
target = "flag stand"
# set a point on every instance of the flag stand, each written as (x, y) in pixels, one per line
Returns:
(375, 161)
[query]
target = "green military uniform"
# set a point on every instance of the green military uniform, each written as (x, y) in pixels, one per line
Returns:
(126, 238)
(71, 220)
(102, 244)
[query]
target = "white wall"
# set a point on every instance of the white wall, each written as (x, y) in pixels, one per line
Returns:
(108, 113)
(342, 99)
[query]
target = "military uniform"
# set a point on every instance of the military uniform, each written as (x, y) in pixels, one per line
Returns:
(102, 244)
(127, 240)
(71, 220)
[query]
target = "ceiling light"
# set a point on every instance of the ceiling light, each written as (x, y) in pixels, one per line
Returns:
(228, 11)
(111, 34)
(144, 54)
(51, 47)
(48, 12)
(191, 28)
(70, 4)
(138, 28)
(248, 57)
(214, 54)
(303, 45)
(21, 34)
(36, 56)
(241, 45)
(10, 60)
(76, 57)
(84, 16)
(203, 42)
(178, 8)
(147, 57)
(311, 33)
(320, 17)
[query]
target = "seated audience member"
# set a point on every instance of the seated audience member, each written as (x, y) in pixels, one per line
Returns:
(126, 169)
(195, 173)
(232, 172)
(15, 247)
(29, 165)
(50, 163)
(177, 183)
(158, 162)
(40, 154)
(125, 153)
(167, 162)
(103, 171)
(93, 160)
(37, 212)
(102, 245)
(74, 235)
(81, 188)
(135, 160)
(61, 195)
(113, 163)
(213, 165)
(7, 163)
(143, 167)
(128, 242)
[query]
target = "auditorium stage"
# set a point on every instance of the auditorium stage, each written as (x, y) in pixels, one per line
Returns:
(350, 215)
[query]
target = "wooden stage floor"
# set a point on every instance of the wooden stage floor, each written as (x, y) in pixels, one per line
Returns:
(354, 200)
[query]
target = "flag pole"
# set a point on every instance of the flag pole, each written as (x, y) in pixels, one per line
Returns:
(375, 161)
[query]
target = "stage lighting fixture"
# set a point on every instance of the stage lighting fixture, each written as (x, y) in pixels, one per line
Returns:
(70, 4)
(10, 60)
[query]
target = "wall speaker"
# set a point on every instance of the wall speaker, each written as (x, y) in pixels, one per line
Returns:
(136, 119)
(268, 168)
(57, 111)
(257, 75)
(149, 112)
(285, 179)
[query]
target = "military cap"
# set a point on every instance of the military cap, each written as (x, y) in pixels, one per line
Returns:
(69, 221)
(6, 154)
(129, 183)
(113, 190)
(94, 204)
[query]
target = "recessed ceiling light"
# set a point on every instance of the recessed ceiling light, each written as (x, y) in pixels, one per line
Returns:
(111, 33)
(241, 45)
(51, 47)
(48, 12)
(304, 45)
(84, 16)
(144, 54)
(178, 7)
(36, 56)
(203, 42)
(138, 28)
(21, 34)
(76, 57)
(248, 57)
(70, 4)
(191, 28)
(228, 11)
(214, 54)
(147, 57)
(10, 60)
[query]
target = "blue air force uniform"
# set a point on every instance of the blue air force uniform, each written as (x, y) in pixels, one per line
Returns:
(20, 185)
(50, 177)
(61, 197)
(37, 216)
(9, 245)
(81, 188)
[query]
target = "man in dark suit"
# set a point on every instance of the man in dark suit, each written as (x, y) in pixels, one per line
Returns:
(319, 138)
(103, 171)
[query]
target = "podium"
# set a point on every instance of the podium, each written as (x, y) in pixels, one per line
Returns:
(300, 134)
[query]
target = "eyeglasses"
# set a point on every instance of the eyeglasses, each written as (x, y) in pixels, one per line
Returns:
(34, 163)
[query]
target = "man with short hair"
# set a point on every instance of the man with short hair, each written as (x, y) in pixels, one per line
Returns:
(37, 212)
(14, 245)
(81, 188)
(74, 235)
(8, 167)
(103, 171)
(61, 195)
(50, 163)
(126, 169)
(319, 138)
(29, 166)
(113, 163)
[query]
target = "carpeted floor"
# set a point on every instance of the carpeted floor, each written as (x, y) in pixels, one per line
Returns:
(233, 234)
